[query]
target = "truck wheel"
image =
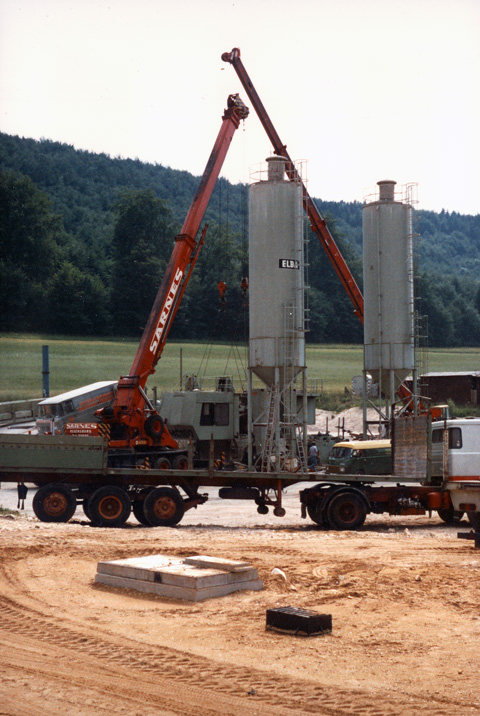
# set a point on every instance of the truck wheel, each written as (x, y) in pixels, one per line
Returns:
(154, 426)
(473, 518)
(164, 507)
(85, 507)
(316, 514)
(449, 515)
(346, 511)
(54, 503)
(180, 462)
(109, 506)
(162, 463)
(138, 508)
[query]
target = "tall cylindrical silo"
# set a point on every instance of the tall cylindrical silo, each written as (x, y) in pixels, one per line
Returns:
(276, 277)
(389, 354)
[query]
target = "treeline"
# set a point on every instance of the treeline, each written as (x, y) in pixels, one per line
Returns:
(85, 239)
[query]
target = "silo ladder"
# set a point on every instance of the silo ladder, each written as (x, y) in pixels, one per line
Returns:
(270, 430)
(300, 449)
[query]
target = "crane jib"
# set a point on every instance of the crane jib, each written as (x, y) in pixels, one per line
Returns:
(165, 312)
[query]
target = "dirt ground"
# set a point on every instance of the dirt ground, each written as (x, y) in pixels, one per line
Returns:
(403, 595)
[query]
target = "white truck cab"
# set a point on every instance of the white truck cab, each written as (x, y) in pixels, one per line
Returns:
(463, 449)
(75, 406)
(462, 476)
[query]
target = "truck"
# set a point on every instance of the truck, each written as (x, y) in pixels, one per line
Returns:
(75, 470)
(433, 465)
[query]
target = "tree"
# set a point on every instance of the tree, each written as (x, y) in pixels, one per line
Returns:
(201, 315)
(331, 317)
(78, 303)
(29, 252)
(142, 242)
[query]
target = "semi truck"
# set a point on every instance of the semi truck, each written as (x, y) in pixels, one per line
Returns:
(74, 471)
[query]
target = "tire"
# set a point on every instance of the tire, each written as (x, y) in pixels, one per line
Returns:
(180, 462)
(154, 427)
(54, 503)
(85, 507)
(164, 507)
(449, 515)
(138, 511)
(109, 506)
(472, 518)
(346, 511)
(162, 463)
(316, 514)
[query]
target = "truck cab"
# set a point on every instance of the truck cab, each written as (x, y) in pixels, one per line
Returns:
(463, 436)
(74, 406)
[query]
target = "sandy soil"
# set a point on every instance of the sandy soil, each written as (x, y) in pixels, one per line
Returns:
(403, 594)
(345, 425)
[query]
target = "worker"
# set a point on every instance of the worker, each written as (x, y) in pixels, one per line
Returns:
(222, 289)
(244, 287)
(312, 457)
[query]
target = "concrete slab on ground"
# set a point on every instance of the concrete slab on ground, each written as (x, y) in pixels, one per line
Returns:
(177, 578)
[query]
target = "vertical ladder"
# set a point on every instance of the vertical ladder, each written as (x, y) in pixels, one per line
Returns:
(270, 430)
(300, 448)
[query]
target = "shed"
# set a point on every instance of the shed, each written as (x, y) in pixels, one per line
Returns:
(461, 387)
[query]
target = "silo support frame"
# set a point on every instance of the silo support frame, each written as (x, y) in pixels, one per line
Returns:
(284, 435)
(386, 412)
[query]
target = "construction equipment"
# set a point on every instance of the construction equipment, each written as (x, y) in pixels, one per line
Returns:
(318, 223)
(319, 226)
(133, 421)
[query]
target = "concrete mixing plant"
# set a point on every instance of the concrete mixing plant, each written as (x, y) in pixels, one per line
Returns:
(388, 279)
(277, 323)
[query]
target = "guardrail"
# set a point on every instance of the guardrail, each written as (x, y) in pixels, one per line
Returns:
(18, 411)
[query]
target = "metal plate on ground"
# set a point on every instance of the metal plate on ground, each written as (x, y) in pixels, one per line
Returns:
(299, 622)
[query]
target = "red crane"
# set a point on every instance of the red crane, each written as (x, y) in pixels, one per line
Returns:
(317, 221)
(132, 418)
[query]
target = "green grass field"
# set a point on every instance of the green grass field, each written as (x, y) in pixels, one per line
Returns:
(77, 362)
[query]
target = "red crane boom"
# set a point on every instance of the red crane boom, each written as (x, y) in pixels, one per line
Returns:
(318, 223)
(134, 424)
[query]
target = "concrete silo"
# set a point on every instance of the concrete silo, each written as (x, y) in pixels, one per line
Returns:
(276, 287)
(389, 341)
(276, 276)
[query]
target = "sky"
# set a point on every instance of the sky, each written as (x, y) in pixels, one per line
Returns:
(363, 90)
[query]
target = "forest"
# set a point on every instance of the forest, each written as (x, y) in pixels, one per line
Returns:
(85, 239)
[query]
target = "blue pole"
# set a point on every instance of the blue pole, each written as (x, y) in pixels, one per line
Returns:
(45, 371)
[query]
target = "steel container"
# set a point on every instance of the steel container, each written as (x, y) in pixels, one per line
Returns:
(388, 289)
(276, 276)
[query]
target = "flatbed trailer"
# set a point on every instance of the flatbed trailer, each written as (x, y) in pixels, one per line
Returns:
(74, 470)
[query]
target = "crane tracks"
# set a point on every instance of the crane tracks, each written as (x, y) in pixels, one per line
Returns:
(267, 688)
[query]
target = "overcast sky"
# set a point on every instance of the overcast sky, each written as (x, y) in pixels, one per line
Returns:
(362, 89)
